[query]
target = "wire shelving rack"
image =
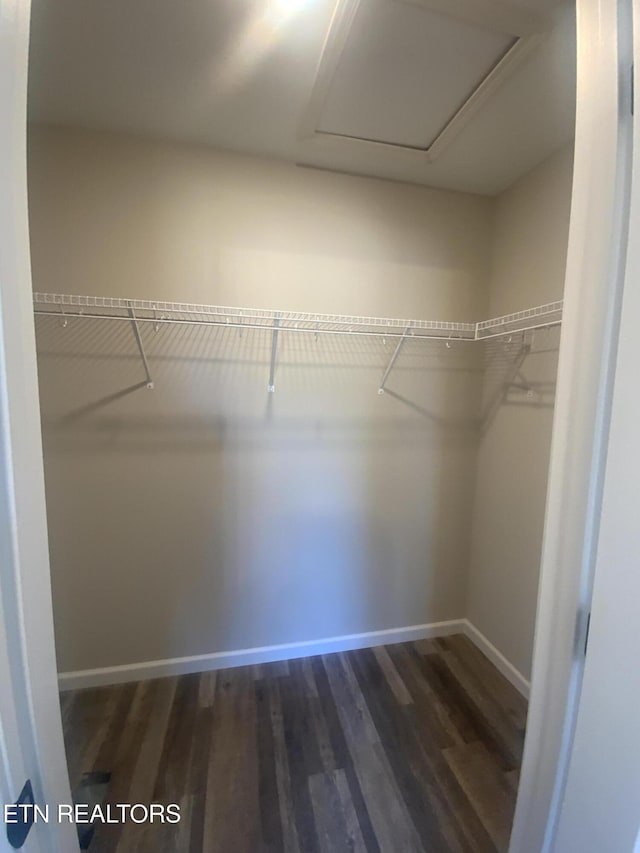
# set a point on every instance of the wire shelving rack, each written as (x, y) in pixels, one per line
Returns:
(159, 313)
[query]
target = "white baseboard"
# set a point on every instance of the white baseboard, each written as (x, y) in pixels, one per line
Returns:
(496, 657)
(265, 654)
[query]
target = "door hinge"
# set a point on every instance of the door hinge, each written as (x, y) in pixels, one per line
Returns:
(632, 88)
(586, 632)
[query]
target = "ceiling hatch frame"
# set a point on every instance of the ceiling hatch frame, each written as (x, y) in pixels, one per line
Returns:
(499, 16)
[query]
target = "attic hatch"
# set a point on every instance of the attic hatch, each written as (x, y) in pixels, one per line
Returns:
(408, 74)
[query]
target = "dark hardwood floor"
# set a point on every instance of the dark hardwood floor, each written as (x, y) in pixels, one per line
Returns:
(410, 747)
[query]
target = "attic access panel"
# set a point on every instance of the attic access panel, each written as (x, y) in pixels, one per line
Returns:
(405, 75)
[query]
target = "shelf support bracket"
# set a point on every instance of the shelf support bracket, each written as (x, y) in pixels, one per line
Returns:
(138, 337)
(271, 387)
(394, 358)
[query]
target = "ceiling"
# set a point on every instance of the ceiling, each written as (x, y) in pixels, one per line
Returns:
(374, 89)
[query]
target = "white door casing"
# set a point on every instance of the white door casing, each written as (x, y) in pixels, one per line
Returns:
(31, 740)
(601, 807)
(593, 285)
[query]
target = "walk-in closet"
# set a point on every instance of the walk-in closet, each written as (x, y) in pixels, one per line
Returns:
(298, 274)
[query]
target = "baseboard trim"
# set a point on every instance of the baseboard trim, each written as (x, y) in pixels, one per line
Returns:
(264, 654)
(496, 657)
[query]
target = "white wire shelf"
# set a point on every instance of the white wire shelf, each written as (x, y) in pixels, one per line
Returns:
(146, 311)
(542, 316)
(140, 311)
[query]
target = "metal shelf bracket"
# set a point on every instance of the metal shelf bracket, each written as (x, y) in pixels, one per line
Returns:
(138, 337)
(271, 387)
(394, 358)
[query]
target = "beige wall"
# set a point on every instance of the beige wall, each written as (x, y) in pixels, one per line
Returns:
(529, 253)
(119, 217)
(207, 515)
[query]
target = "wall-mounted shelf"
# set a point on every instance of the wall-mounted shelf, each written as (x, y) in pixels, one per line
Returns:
(107, 308)
(540, 317)
(141, 311)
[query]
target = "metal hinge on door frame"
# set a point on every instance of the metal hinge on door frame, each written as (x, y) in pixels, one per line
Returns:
(581, 640)
(586, 633)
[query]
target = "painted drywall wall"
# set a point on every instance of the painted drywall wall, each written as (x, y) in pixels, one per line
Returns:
(208, 515)
(529, 255)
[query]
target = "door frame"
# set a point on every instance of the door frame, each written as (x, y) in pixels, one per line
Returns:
(32, 741)
(592, 307)
(583, 405)
(605, 759)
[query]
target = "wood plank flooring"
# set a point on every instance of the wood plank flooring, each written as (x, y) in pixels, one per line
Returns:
(403, 748)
